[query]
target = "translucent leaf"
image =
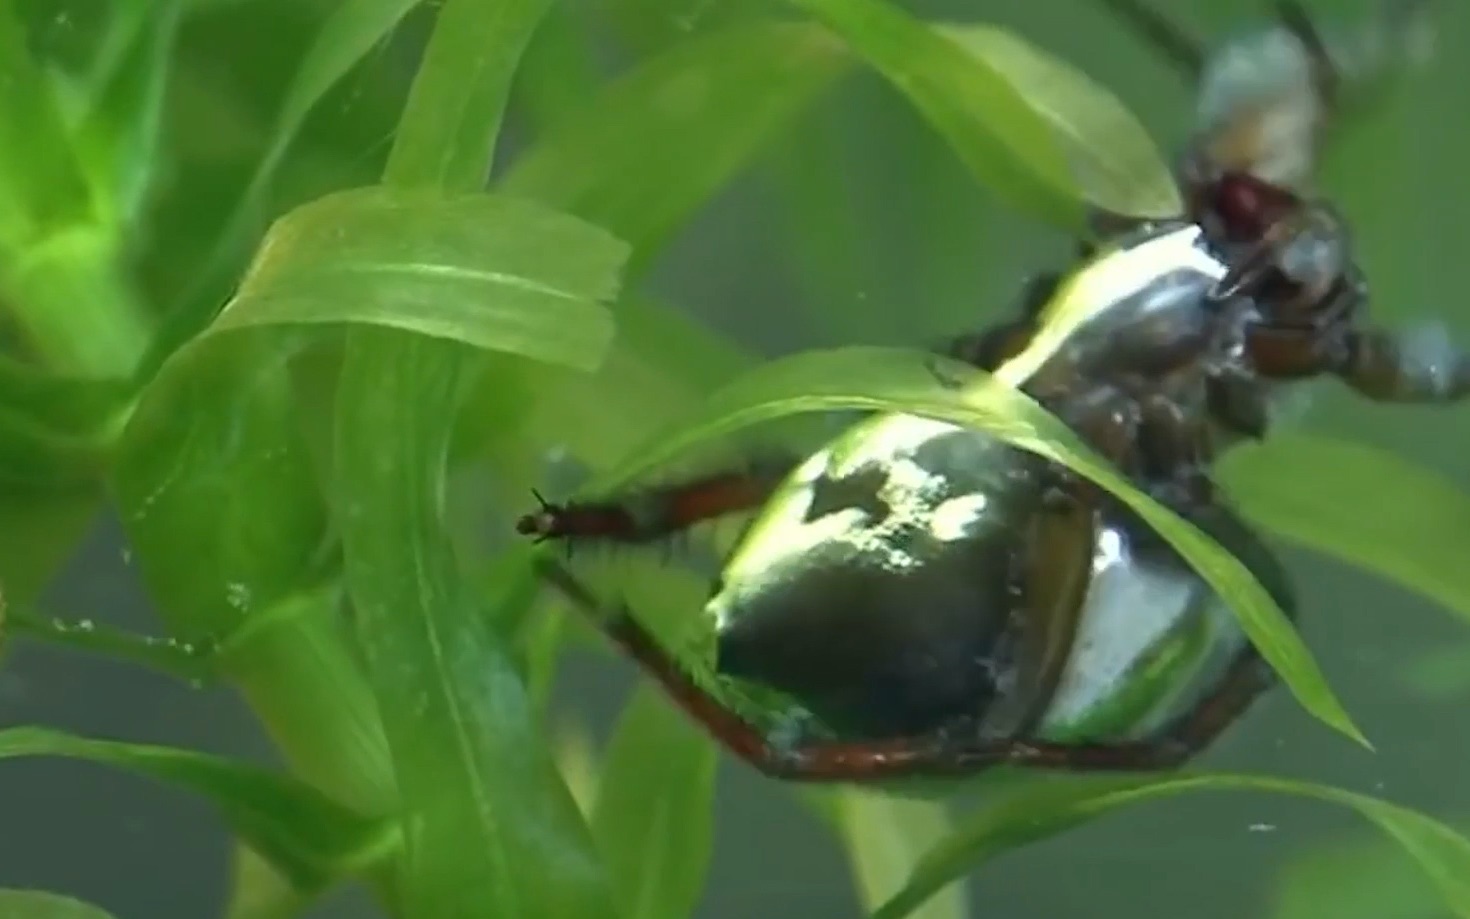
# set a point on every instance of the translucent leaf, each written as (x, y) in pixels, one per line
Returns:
(1050, 808)
(119, 132)
(1117, 165)
(348, 34)
(885, 837)
(41, 185)
(38, 904)
(310, 838)
(658, 142)
(491, 829)
(654, 813)
(258, 891)
(1362, 505)
(983, 109)
(895, 380)
(1440, 672)
(489, 271)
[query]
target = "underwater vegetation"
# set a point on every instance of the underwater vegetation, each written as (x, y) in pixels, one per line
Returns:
(317, 330)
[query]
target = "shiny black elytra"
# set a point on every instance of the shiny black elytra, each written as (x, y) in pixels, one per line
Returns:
(934, 602)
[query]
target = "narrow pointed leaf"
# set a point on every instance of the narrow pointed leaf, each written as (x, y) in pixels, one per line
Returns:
(895, 380)
(1116, 162)
(1362, 505)
(309, 837)
(42, 189)
(653, 819)
(885, 837)
(490, 828)
(447, 135)
(347, 35)
(1043, 811)
(119, 134)
(977, 94)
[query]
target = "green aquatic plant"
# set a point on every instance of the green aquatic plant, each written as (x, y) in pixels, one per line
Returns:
(277, 425)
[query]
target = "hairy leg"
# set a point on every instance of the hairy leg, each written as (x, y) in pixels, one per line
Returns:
(655, 513)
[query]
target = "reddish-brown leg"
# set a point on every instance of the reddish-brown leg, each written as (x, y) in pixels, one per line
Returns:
(1397, 368)
(655, 513)
(944, 754)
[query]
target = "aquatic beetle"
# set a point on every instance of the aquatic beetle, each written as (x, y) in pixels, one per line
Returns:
(930, 601)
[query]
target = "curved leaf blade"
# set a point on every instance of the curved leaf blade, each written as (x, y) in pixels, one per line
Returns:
(347, 35)
(999, 102)
(653, 820)
(1047, 809)
(491, 829)
(1117, 164)
(40, 904)
(1311, 490)
(493, 272)
(307, 836)
(884, 379)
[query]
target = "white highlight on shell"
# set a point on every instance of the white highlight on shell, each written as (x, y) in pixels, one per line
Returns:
(955, 518)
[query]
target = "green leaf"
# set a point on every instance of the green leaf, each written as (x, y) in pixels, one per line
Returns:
(1439, 672)
(896, 380)
(41, 186)
(1353, 878)
(885, 836)
(213, 467)
(310, 838)
(981, 109)
(1312, 491)
(350, 32)
(164, 655)
(490, 271)
(654, 813)
(446, 138)
(56, 433)
(491, 829)
(658, 142)
(118, 135)
(258, 891)
(38, 533)
(1050, 808)
(1116, 163)
(38, 904)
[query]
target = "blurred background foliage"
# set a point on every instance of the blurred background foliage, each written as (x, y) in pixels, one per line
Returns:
(840, 218)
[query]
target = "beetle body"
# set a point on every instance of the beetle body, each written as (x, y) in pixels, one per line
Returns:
(929, 601)
(915, 576)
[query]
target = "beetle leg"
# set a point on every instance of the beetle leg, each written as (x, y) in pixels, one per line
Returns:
(1422, 365)
(656, 513)
(945, 753)
(998, 343)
